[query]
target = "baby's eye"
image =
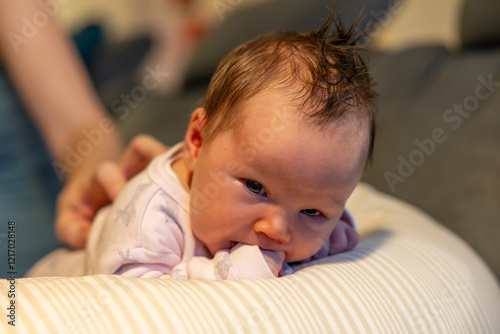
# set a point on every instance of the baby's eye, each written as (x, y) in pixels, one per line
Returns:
(311, 212)
(255, 187)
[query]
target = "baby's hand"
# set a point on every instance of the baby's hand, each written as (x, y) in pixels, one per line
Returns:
(274, 260)
(343, 238)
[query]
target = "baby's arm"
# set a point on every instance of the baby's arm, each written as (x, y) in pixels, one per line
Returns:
(138, 235)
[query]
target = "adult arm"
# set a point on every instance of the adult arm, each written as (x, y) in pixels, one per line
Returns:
(51, 80)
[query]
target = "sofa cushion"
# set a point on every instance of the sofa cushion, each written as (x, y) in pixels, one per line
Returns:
(437, 143)
(480, 23)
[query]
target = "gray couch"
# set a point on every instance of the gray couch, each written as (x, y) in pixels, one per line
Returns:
(438, 134)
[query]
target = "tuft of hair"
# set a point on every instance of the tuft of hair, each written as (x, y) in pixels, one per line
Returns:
(323, 68)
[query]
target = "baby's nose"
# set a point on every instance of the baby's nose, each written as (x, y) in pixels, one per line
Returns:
(275, 227)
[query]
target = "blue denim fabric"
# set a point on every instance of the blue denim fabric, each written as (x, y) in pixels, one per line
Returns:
(28, 185)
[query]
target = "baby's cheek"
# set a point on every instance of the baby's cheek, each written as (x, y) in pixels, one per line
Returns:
(318, 241)
(303, 247)
(321, 245)
(198, 226)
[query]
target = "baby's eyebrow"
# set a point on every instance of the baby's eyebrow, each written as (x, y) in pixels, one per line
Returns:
(330, 200)
(338, 204)
(262, 165)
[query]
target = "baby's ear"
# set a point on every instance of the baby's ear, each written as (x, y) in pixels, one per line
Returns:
(193, 139)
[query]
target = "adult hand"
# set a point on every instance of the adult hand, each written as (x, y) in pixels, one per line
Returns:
(88, 192)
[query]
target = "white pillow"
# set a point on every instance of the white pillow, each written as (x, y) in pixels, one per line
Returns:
(407, 275)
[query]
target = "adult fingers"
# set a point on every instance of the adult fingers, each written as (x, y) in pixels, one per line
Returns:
(110, 178)
(72, 230)
(139, 153)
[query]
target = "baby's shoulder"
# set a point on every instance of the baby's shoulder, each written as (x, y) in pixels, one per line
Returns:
(139, 187)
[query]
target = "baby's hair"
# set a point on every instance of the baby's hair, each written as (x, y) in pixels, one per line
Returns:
(322, 69)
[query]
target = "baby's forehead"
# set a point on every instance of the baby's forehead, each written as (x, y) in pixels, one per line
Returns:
(271, 124)
(278, 109)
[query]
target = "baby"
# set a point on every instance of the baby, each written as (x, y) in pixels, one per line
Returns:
(262, 177)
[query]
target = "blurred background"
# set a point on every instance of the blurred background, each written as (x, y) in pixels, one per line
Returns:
(436, 64)
(414, 22)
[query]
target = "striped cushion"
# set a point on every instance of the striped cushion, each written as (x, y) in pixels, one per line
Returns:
(408, 275)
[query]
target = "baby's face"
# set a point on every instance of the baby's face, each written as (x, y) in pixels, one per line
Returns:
(279, 183)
